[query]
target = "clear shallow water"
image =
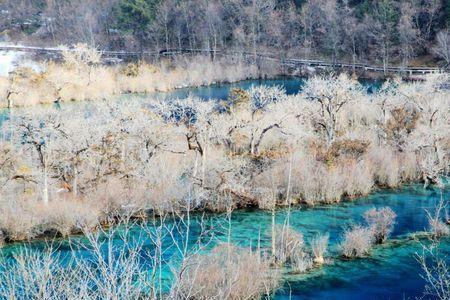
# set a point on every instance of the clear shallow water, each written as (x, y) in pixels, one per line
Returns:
(391, 272)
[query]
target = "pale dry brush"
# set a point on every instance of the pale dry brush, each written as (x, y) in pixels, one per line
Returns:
(82, 76)
(133, 158)
(357, 242)
(319, 245)
(435, 271)
(381, 222)
(437, 227)
(227, 272)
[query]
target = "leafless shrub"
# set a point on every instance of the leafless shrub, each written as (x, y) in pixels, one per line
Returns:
(319, 246)
(19, 224)
(266, 198)
(31, 219)
(358, 178)
(226, 273)
(319, 184)
(81, 55)
(357, 242)
(436, 272)
(385, 167)
(33, 275)
(381, 222)
(301, 261)
(402, 122)
(287, 244)
(437, 227)
(112, 271)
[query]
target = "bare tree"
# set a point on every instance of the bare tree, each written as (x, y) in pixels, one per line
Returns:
(442, 48)
(435, 270)
(408, 33)
(330, 99)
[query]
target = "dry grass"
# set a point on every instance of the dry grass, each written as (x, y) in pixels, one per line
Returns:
(136, 158)
(81, 77)
(226, 273)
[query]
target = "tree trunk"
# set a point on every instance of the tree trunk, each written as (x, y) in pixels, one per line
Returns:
(45, 189)
(75, 181)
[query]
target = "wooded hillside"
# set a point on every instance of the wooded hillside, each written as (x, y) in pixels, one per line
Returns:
(383, 31)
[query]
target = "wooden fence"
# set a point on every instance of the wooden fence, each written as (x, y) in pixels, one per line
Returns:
(288, 62)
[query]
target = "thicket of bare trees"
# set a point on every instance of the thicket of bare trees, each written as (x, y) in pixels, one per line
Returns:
(384, 31)
(63, 169)
(82, 76)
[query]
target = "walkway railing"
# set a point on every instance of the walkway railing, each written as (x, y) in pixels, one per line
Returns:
(291, 62)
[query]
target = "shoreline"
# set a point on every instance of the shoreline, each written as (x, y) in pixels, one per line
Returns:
(90, 81)
(146, 217)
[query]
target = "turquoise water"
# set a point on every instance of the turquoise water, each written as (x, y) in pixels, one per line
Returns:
(292, 86)
(391, 271)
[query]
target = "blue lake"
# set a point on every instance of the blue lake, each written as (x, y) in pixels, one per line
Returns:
(390, 272)
(292, 86)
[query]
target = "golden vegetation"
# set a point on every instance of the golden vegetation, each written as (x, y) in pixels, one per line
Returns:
(227, 272)
(141, 157)
(81, 76)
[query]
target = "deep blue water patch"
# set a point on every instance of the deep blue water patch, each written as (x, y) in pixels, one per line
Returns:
(292, 86)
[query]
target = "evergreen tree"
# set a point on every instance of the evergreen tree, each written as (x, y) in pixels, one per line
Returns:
(136, 16)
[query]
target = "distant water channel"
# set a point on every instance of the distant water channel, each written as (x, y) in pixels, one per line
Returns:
(292, 86)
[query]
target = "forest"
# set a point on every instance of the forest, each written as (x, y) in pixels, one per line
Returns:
(385, 32)
(260, 148)
(191, 150)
